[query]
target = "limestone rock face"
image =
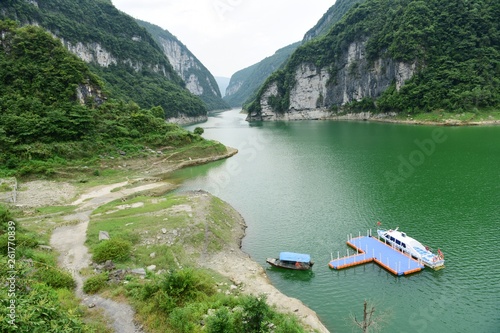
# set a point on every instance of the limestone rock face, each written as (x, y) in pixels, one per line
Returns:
(356, 78)
(310, 89)
(188, 67)
(233, 88)
(317, 90)
(92, 52)
(95, 53)
(183, 119)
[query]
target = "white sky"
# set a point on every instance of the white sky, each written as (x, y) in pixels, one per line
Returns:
(229, 35)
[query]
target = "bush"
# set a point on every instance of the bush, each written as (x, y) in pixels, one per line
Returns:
(114, 249)
(220, 322)
(5, 217)
(187, 285)
(198, 130)
(256, 311)
(95, 283)
(23, 241)
(55, 278)
(39, 310)
(182, 320)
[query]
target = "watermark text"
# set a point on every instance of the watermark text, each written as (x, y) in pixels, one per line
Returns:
(11, 272)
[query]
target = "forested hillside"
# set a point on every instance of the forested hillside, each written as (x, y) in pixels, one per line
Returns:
(245, 82)
(116, 48)
(54, 110)
(197, 77)
(332, 16)
(450, 51)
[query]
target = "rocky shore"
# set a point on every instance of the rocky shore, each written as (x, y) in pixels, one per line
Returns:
(389, 117)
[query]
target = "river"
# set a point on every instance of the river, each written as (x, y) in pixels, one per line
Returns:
(304, 186)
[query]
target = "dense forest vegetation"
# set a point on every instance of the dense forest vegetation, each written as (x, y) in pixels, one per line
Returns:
(43, 122)
(211, 95)
(455, 44)
(332, 16)
(142, 73)
(251, 78)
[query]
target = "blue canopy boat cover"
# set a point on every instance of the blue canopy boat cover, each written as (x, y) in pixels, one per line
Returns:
(290, 256)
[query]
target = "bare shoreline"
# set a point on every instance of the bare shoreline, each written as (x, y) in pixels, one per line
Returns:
(231, 262)
(390, 117)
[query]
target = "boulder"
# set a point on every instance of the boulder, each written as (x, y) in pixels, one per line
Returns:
(103, 235)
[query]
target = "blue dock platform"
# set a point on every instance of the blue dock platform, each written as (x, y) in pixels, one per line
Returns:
(370, 249)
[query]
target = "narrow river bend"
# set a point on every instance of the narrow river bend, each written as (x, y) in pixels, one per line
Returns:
(303, 186)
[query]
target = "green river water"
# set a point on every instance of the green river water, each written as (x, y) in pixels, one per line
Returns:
(304, 186)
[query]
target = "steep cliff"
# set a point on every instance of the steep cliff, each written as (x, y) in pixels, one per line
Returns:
(198, 79)
(391, 56)
(116, 48)
(245, 83)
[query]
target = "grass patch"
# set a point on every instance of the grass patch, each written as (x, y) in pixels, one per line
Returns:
(142, 221)
(52, 210)
(45, 299)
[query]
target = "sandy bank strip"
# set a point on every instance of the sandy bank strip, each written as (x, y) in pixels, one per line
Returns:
(242, 270)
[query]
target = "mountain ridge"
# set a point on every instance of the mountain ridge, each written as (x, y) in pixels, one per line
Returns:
(392, 56)
(198, 79)
(116, 48)
(251, 78)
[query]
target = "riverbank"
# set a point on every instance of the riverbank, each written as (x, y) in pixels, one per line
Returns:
(69, 239)
(437, 118)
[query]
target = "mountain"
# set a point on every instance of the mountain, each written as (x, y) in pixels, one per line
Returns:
(223, 83)
(198, 79)
(392, 56)
(55, 111)
(332, 16)
(245, 83)
(115, 47)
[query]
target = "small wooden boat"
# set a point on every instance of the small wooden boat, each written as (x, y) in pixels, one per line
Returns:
(291, 260)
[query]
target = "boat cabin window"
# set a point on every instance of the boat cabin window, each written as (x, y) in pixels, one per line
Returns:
(392, 238)
(398, 242)
(387, 236)
(403, 245)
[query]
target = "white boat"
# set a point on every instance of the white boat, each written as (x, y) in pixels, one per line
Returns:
(417, 250)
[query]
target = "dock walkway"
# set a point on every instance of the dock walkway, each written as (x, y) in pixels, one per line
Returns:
(371, 249)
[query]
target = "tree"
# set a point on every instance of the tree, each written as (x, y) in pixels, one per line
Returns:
(198, 130)
(369, 320)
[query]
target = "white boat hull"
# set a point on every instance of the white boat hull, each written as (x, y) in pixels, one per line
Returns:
(412, 247)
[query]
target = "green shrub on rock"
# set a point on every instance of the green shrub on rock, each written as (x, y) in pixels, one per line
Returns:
(114, 249)
(55, 278)
(95, 283)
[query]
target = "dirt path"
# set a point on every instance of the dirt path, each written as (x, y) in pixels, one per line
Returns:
(70, 242)
(231, 261)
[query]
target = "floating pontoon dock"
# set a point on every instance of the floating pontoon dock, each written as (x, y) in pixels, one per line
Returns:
(370, 249)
